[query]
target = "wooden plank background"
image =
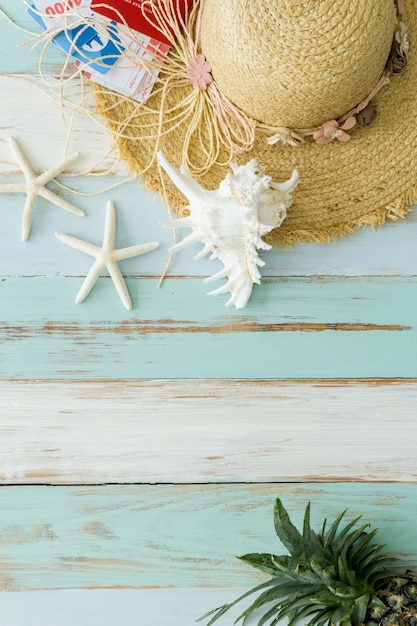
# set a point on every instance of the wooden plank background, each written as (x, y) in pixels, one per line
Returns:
(205, 431)
(141, 451)
(173, 535)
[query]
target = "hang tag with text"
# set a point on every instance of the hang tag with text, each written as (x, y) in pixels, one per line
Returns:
(139, 14)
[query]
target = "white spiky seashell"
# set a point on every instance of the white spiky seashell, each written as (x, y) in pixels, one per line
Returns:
(231, 221)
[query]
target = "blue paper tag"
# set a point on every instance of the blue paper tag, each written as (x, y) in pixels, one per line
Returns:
(86, 44)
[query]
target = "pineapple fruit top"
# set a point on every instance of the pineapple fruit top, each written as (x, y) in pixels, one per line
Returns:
(338, 575)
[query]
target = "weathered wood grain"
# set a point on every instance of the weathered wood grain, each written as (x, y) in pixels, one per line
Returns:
(58, 131)
(167, 535)
(204, 431)
(298, 328)
(107, 607)
(15, 57)
(180, 539)
(139, 214)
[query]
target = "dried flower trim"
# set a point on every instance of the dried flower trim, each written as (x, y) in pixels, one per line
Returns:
(367, 116)
(285, 136)
(199, 71)
(397, 61)
(333, 130)
(364, 114)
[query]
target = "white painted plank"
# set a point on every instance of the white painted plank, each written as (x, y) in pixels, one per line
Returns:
(139, 214)
(44, 127)
(107, 607)
(202, 431)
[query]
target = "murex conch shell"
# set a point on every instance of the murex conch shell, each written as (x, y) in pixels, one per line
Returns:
(231, 221)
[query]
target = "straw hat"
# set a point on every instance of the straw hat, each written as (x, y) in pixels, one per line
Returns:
(324, 86)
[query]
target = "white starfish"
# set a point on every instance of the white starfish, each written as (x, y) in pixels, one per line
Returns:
(106, 256)
(35, 186)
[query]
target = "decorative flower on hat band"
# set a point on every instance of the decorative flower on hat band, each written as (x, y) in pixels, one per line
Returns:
(199, 71)
(285, 136)
(401, 37)
(367, 116)
(397, 61)
(364, 113)
(333, 130)
(228, 126)
(211, 118)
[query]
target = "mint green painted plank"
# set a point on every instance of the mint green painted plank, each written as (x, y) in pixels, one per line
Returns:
(107, 607)
(153, 607)
(298, 328)
(167, 535)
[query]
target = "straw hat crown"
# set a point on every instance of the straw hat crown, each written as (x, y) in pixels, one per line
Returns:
(297, 63)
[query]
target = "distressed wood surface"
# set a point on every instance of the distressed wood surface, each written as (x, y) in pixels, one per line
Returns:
(139, 213)
(105, 607)
(298, 328)
(204, 431)
(167, 535)
(165, 553)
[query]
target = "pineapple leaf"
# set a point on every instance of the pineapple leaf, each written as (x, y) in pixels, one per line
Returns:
(383, 567)
(221, 610)
(322, 617)
(325, 598)
(285, 564)
(326, 573)
(294, 569)
(342, 614)
(340, 539)
(371, 558)
(292, 604)
(331, 533)
(271, 613)
(312, 544)
(287, 591)
(299, 615)
(376, 603)
(332, 577)
(341, 590)
(264, 562)
(270, 595)
(306, 523)
(362, 546)
(345, 574)
(353, 537)
(360, 607)
(286, 531)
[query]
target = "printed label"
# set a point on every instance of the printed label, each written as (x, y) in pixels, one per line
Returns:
(131, 13)
(98, 49)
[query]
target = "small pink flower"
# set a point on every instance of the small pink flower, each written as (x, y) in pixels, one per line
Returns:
(332, 130)
(199, 72)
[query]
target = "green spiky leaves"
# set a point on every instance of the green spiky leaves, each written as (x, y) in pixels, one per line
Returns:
(329, 576)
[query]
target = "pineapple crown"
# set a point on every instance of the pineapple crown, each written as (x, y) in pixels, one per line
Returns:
(328, 577)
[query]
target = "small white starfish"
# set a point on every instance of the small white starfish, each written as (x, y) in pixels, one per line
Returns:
(106, 256)
(35, 186)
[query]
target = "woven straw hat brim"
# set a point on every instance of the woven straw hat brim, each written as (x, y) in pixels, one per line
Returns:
(343, 186)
